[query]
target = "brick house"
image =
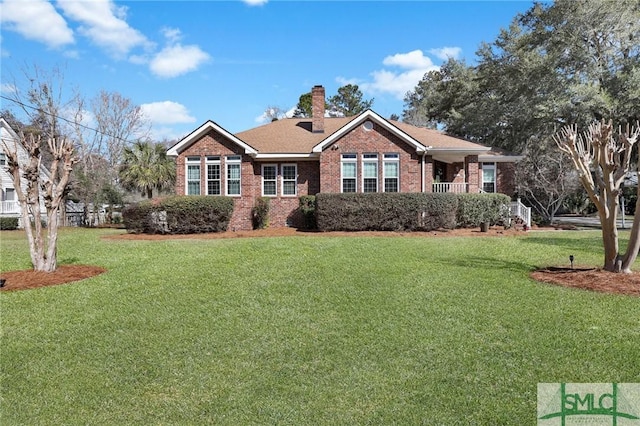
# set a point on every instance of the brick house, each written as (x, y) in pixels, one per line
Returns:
(288, 158)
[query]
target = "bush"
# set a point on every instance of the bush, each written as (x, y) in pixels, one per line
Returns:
(8, 223)
(474, 209)
(386, 211)
(190, 214)
(260, 213)
(308, 210)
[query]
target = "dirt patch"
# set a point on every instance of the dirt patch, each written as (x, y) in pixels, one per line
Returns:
(22, 280)
(588, 279)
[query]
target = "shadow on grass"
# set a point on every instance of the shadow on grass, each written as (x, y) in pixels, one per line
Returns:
(480, 262)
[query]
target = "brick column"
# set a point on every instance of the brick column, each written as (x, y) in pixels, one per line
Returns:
(473, 173)
(428, 173)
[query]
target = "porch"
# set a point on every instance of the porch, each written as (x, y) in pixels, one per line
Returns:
(9, 207)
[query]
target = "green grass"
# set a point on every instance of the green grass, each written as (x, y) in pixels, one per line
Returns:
(307, 330)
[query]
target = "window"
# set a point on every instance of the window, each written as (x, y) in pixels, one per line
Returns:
(233, 174)
(193, 175)
(3, 159)
(213, 175)
(289, 179)
(370, 173)
(489, 177)
(391, 172)
(349, 172)
(269, 179)
(10, 194)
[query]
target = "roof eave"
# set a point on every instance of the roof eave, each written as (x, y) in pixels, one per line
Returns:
(175, 150)
(368, 114)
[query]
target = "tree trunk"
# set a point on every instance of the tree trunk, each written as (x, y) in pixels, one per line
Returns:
(634, 240)
(609, 240)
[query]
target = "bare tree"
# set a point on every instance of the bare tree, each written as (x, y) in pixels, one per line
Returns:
(545, 179)
(51, 108)
(51, 189)
(118, 122)
(602, 158)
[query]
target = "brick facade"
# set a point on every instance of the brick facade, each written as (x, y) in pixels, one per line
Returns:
(323, 174)
(379, 141)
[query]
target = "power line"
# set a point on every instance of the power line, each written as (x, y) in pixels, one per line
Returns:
(22, 104)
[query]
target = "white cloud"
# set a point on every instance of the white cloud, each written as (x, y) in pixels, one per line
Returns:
(166, 112)
(176, 60)
(402, 71)
(104, 24)
(269, 113)
(255, 2)
(411, 60)
(36, 20)
(8, 88)
(445, 53)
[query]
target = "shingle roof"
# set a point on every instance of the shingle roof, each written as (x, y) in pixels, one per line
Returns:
(290, 135)
(294, 135)
(435, 138)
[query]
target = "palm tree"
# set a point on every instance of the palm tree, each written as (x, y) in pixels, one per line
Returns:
(146, 167)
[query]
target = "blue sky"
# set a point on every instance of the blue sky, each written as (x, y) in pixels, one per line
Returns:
(185, 62)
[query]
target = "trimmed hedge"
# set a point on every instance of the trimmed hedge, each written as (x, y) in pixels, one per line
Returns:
(8, 223)
(474, 209)
(386, 211)
(188, 214)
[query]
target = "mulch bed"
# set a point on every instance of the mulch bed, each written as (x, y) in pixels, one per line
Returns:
(22, 280)
(587, 279)
(590, 279)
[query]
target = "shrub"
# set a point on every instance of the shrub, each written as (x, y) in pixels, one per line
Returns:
(386, 212)
(260, 213)
(8, 223)
(474, 209)
(188, 214)
(308, 210)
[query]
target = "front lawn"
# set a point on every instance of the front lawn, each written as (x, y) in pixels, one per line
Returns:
(307, 330)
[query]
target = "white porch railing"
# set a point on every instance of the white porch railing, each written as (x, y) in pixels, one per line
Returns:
(9, 207)
(450, 187)
(520, 210)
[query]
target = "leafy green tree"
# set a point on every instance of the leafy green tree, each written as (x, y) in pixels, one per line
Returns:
(558, 63)
(348, 102)
(304, 107)
(566, 62)
(146, 167)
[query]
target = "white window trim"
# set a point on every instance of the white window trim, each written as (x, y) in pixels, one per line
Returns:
(191, 161)
(375, 160)
(493, 167)
(274, 180)
(294, 180)
(232, 160)
(390, 158)
(354, 160)
(213, 160)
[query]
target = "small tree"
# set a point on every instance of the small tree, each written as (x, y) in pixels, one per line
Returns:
(51, 190)
(602, 158)
(146, 167)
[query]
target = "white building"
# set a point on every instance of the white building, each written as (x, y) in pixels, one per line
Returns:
(9, 206)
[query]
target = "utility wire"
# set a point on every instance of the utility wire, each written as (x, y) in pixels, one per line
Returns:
(22, 104)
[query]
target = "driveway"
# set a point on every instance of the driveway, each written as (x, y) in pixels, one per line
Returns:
(590, 222)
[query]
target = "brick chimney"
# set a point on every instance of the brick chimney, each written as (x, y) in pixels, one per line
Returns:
(317, 109)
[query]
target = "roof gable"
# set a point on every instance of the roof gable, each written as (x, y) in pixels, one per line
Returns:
(359, 119)
(209, 125)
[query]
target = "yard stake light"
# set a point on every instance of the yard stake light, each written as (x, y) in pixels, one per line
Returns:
(571, 260)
